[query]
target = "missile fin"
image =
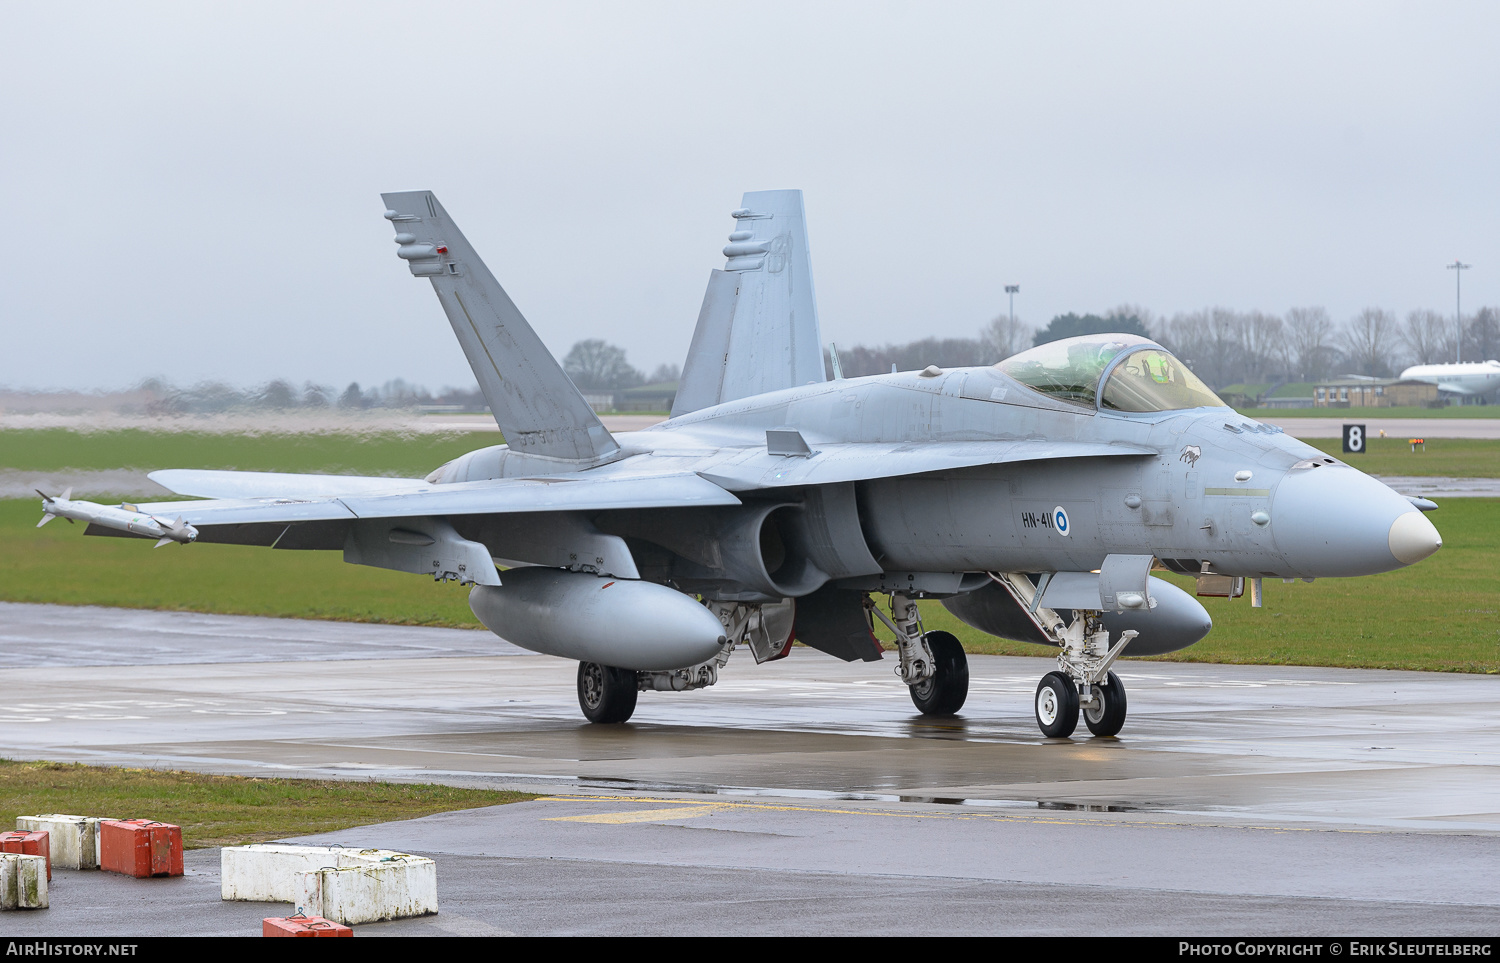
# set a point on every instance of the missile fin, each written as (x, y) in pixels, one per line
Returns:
(67, 494)
(45, 519)
(164, 540)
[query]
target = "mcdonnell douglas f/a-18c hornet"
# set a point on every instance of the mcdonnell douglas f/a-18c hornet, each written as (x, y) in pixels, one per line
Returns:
(1033, 497)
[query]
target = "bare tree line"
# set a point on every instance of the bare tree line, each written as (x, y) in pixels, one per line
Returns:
(1223, 346)
(1230, 347)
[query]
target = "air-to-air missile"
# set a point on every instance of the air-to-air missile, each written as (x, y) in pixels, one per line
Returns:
(122, 519)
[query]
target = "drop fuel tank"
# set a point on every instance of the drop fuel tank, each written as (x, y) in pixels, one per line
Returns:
(624, 623)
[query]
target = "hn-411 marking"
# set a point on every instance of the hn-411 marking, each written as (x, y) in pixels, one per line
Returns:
(1033, 497)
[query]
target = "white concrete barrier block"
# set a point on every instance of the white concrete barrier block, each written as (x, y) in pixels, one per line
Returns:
(23, 881)
(375, 885)
(74, 839)
(268, 872)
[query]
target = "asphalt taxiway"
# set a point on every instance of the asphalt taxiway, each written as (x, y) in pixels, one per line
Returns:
(802, 796)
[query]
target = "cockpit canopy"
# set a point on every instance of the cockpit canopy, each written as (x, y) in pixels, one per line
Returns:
(1139, 375)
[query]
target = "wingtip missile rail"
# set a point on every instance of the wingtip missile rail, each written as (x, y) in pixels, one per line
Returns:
(120, 519)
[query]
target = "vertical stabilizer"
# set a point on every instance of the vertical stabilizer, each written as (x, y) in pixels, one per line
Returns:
(758, 328)
(534, 402)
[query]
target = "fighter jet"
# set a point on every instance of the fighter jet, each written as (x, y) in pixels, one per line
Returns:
(1033, 498)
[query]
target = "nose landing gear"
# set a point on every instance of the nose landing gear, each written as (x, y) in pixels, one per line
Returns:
(1083, 680)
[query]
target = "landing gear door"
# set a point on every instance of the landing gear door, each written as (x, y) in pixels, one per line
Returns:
(770, 632)
(1124, 582)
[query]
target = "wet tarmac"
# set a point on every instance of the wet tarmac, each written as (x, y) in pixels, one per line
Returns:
(791, 797)
(1442, 487)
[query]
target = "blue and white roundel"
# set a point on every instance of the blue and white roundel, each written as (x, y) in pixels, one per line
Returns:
(1060, 520)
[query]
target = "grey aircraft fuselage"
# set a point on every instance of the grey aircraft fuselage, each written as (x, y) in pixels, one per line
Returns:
(1297, 514)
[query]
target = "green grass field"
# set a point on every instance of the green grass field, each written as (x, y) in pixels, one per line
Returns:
(59, 564)
(1441, 614)
(1456, 457)
(381, 453)
(224, 810)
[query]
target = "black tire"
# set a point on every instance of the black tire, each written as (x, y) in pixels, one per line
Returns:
(606, 694)
(1056, 706)
(944, 692)
(1106, 720)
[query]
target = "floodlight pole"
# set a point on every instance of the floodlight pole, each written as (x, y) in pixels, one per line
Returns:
(1458, 268)
(1011, 290)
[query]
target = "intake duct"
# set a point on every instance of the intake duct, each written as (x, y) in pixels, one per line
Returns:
(764, 550)
(759, 551)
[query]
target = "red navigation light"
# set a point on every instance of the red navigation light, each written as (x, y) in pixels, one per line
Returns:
(442, 249)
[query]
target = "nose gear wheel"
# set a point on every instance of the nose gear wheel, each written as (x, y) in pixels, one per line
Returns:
(1056, 706)
(1106, 714)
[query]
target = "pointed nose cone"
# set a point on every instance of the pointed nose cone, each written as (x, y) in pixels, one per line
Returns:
(1413, 538)
(1336, 521)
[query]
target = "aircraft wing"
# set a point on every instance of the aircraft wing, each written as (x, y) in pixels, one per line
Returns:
(270, 484)
(304, 498)
(758, 468)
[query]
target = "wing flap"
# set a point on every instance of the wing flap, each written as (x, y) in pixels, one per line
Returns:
(758, 469)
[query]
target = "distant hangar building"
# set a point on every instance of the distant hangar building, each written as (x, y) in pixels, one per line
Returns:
(1375, 393)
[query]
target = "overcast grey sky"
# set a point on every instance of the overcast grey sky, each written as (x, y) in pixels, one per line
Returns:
(193, 189)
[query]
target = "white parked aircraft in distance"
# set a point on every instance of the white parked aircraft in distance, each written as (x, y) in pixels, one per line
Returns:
(1470, 379)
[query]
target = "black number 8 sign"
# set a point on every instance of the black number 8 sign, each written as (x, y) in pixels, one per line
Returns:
(1354, 439)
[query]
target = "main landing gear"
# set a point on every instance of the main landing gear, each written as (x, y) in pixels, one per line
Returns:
(606, 694)
(932, 664)
(1083, 683)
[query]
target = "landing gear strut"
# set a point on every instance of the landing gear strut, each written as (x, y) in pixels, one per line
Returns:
(932, 664)
(1083, 679)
